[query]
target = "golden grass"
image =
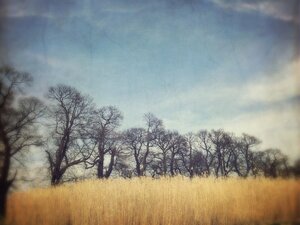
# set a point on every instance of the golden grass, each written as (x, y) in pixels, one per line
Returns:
(167, 201)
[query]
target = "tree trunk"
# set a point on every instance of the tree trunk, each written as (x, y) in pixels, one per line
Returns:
(144, 161)
(100, 166)
(191, 164)
(3, 197)
(4, 182)
(56, 173)
(172, 165)
(138, 169)
(100, 173)
(111, 165)
(55, 178)
(165, 164)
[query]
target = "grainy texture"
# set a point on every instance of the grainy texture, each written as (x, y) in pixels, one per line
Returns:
(167, 201)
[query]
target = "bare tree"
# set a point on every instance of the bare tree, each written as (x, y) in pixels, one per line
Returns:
(243, 155)
(216, 139)
(170, 148)
(188, 156)
(106, 140)
(70, 116)
(295, 169)
(229, 146)
(164, 144)
(153, 126)
(272, 162)
(204, 145)
(18, 125)
(178, 146)
(134, 141)
(139, 141)
(223, 146)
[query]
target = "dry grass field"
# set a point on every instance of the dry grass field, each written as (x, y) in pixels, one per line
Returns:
(167, 201)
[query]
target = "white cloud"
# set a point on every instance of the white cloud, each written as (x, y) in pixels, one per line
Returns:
(211, 106)
(275, 88)
(268, 88)
(282, 10)
(277, 128)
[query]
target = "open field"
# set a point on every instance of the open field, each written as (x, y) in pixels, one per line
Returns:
(172, 201)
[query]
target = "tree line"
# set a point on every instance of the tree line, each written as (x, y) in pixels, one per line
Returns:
(73, 131)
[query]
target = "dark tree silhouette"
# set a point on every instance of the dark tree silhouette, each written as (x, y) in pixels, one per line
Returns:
(153, 126)
(216, 137)
(178, 145)
(70, 116)
(243, 155)
(134, 141)
(80, 133)
(205, 153)
(18, 125)
(272, 163)
(295, 169)
(106, 140)
(204, 146)
(164, 143)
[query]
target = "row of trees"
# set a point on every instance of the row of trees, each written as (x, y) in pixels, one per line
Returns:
(82, 134)
(76, 132)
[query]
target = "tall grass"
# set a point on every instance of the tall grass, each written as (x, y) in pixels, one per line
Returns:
(167, 201)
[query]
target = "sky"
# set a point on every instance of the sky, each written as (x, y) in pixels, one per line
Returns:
(204, 64)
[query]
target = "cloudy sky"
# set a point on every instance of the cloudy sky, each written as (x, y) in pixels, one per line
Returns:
(197, 64)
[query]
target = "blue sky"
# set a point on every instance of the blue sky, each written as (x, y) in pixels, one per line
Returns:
(195, 64)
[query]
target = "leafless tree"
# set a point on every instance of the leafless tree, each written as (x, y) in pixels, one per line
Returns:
(18, 125)
(164, 143)
(215, 137)
(153, 126)
(272, 162)
(178, 146)
(70, 116)
(229, 146)
(106, 140)
(134, 141)
(223, 146)
(243, 155)
(188, 154)
(295, 169)
(204, 145)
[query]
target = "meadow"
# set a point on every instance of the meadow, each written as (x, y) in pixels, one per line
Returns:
(165, 201)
